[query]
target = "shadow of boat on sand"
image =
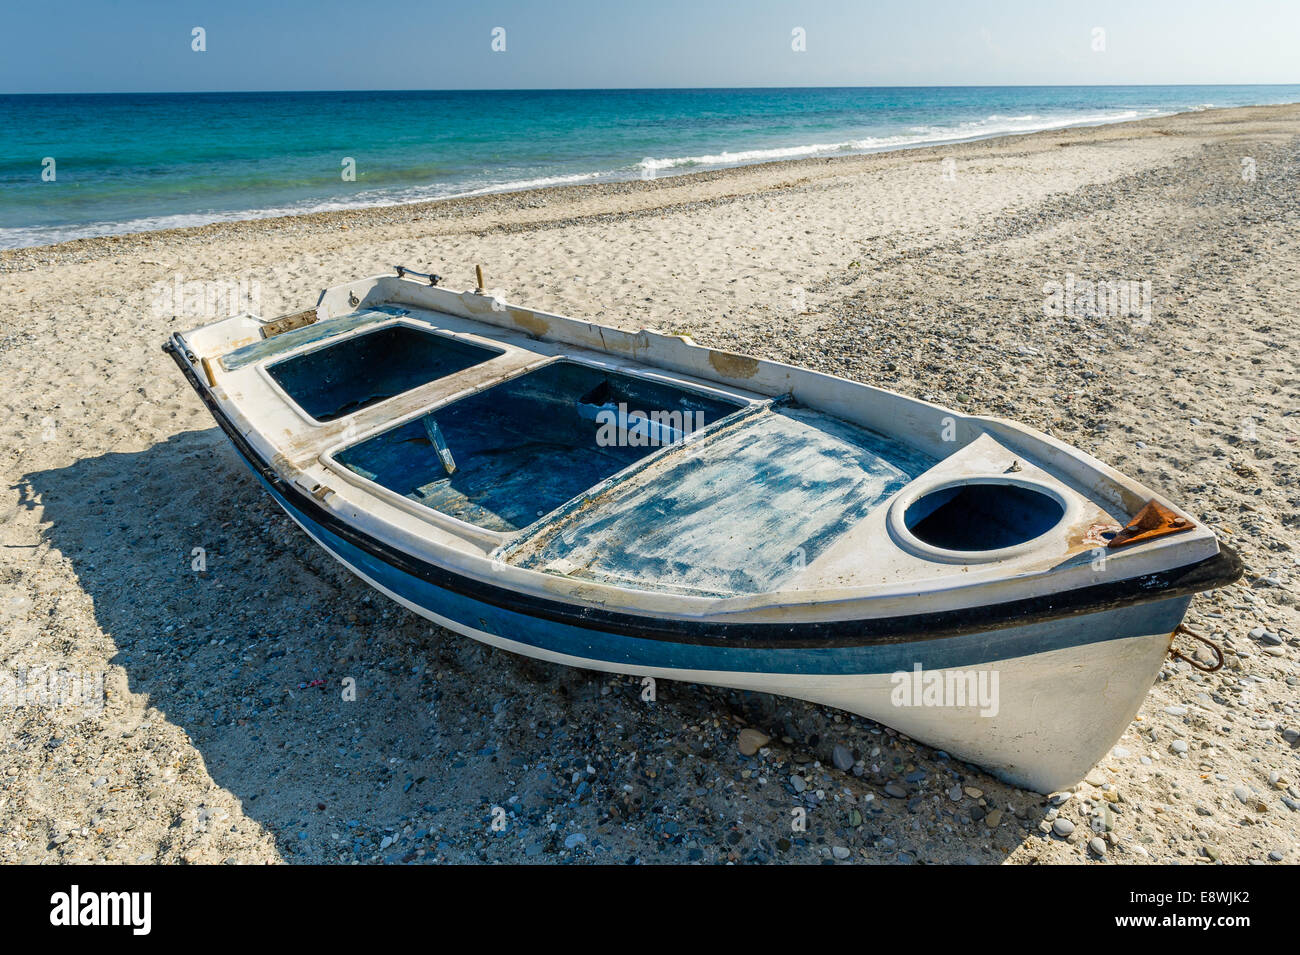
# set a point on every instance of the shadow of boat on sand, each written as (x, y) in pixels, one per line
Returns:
(442, 729)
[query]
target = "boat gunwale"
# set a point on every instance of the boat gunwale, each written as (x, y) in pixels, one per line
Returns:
(1205, 574)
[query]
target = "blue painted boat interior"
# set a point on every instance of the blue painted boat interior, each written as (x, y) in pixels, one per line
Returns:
(736, 512)
(520, 448)
(349, 375)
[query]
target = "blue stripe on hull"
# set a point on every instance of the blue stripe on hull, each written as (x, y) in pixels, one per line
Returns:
(968, 650)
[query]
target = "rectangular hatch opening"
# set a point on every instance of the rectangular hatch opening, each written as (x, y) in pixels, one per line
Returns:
(355, 373)
(505, 456)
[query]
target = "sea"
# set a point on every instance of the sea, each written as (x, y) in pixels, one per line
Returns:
(74, 165)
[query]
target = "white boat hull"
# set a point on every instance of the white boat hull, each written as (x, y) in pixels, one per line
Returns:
(1046, 719)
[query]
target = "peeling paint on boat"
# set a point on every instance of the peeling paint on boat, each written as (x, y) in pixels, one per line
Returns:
(530, 322)
(731, 365)
(741, 513)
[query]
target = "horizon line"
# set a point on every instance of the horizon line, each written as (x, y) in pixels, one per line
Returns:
(635, 89)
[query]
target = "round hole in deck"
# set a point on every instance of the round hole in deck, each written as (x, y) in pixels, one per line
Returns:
(982, 516)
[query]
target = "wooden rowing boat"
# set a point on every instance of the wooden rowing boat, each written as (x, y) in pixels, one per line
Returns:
(633, 502)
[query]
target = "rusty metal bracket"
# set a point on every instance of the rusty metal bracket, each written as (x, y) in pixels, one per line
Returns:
(1154, 520)
(1218, 652)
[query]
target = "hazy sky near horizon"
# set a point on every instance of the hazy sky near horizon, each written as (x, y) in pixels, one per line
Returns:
(146, 45)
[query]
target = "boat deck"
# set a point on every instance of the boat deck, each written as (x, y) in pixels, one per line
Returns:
(740, 511)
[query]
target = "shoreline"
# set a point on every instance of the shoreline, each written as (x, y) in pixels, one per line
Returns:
(454, 208)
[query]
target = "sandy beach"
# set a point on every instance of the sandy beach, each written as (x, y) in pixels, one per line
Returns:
(938, 272)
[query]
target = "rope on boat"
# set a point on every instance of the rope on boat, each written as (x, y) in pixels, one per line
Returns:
(1209, 643)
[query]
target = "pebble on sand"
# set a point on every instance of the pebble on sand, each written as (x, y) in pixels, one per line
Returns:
(842, 757)
(751, 741)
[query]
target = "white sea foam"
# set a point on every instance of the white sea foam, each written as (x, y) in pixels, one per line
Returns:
(16, 238)
(993, 125)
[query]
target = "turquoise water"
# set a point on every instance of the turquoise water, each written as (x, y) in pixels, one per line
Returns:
(133, 162)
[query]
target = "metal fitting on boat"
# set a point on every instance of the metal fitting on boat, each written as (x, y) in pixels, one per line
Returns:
(403, 272)
(1154, 520)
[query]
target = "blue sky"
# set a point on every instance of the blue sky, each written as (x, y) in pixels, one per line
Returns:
(139, 45)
